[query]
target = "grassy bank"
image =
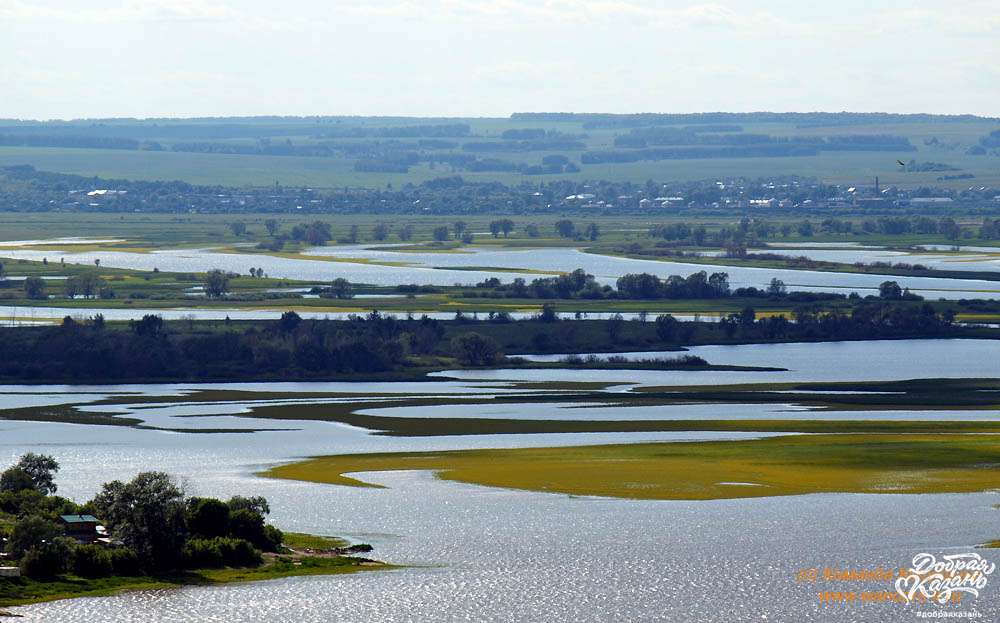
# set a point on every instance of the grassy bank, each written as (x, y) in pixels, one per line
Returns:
(792, 465)
(291, 563)
(22, 591)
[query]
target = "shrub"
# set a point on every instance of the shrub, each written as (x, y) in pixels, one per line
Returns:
(92, 561)
(48, 560)
(125, 561)
(220, 552)
(203, 554)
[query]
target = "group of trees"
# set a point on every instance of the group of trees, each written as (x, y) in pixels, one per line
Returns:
(152, 527)
(578, 284)
(152, 349)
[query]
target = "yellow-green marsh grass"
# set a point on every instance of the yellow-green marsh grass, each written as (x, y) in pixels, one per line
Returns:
(786, 465)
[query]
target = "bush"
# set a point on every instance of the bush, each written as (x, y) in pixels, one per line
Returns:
(220, 552)
(48, 560)
(272, 539)
(203, 554)
(125, 561)
(92, 561)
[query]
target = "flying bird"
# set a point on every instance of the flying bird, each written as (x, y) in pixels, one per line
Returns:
(901, 163)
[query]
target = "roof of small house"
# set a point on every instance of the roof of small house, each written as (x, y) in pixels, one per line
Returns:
(78, 518)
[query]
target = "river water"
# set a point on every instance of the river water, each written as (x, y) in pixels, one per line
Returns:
(483, 554)
(444, 269)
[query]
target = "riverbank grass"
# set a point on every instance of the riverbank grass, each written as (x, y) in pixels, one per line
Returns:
(23, 591)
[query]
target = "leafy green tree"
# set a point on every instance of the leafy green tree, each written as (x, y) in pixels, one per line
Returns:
(39, 469)
(238, 228)
(86, 284)
(216, 283)
(441, 233)
(271, 226)
(341, 288)
(506, 226)
(406, 232)
(149, 326)
(777, 287)
(666, 327)
(459, 228)
(593, 232)
(614, 325)
(148, 515)
(48, 560)
(255, 503)
(474, 349)
(565, 228)
(207, 517)
(34, 288)
(532, 231)
(29, 532)
(16, 479)
(380, 232)
(890, 290)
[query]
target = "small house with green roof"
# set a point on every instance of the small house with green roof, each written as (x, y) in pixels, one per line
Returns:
(82, 528)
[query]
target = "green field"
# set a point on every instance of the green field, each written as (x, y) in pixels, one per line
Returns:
(855, 167)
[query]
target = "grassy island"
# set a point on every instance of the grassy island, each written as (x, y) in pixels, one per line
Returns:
(784, 465)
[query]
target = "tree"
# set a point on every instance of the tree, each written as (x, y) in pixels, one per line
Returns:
(459, 228)
(40, 470)
(49, 559)
(271, 226)
(352, 236)
(406, 232)
(256, 503)
(148, 515)
(238, 228)
(532, 231)
(548, 313)
(468, 238)
(506, 226)
(31, 531)
(16, 479)
(890, 290)
(380, 232)
(593, 232)
(86, 284)
(805, 229)
(565, 228)
(34, 288)
(441, 233)
(495, 228)
(207, 517)
(666, 327)
(289, 321)
(473, 349)
(341, 288)
(614, 325)
(777, 287)
(216, 283)
(149, 326)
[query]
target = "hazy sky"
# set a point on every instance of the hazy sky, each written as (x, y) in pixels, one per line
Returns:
(90, 58)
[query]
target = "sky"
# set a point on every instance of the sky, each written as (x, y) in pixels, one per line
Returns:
(181, 58)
